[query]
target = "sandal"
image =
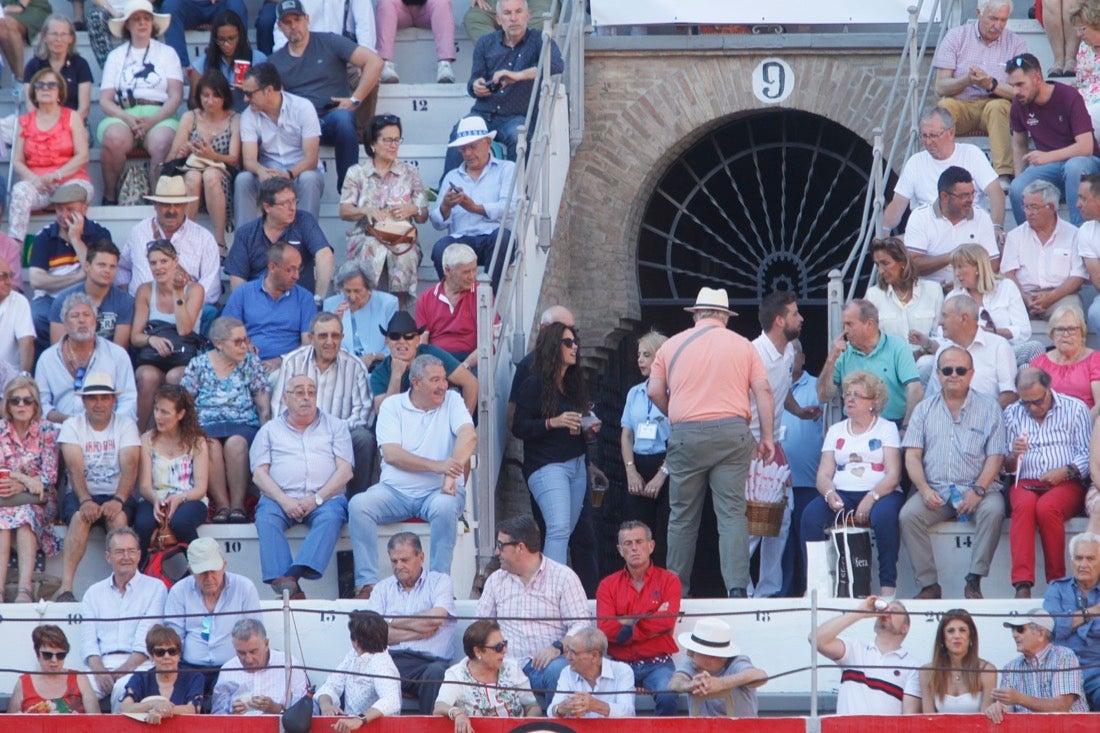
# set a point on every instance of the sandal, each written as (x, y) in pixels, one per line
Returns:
(24, 596)
(221, 516)
(1055, 71)
(238, 516)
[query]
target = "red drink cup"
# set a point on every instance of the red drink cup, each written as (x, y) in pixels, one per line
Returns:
(239, 70)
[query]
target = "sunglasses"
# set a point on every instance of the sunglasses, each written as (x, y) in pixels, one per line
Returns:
(17, 401)
(165, 651)
(570, 343)
(387, 120)
(46, 85)
(78, 383)
(498, 648)
(48, 656)
(1018, 629)
(402, 336)
(960, 371)
(1034, 403)
(207, 622)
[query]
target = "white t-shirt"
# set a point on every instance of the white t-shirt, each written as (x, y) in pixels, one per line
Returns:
(778, 367)
(931, 233)
(15, 323)
(919, 179)
(860, 459)
(871, 690)
(1088, 240)
(428, 434)
(100, 449)
(146, 72)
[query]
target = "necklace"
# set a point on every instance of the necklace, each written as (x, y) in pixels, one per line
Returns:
(73, 363)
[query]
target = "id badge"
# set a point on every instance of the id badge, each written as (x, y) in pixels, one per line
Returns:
(647, 430)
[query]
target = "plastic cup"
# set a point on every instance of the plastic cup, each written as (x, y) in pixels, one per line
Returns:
(240, 68)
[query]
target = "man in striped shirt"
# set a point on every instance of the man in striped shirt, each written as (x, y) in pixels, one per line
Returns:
(1048, 437)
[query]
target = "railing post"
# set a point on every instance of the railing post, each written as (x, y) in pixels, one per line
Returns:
(487, 463)
(914, 69)
(287, 646)
(835, 300)
(813, 724)
(574, 70)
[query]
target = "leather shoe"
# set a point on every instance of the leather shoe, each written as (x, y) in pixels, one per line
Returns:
(738, 593)
(1023, 590)
(364, 592)
(929, 592)
(973, 589)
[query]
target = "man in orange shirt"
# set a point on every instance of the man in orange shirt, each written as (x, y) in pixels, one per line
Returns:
(701, 378)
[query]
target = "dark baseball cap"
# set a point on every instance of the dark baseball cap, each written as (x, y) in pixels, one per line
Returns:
(287, 7)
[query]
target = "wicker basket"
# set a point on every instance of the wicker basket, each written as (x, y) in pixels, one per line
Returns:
(765, 518)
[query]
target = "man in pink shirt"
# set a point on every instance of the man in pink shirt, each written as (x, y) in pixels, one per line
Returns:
(701, 378)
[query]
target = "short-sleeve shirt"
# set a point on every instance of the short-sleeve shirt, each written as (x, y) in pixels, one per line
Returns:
(452, 328)
(860, 459)
(117, 309)
(145, 72)
(744, 698)
(1057, 123)
(1052, 672)
(920, 175)
(280, 446)
(963, 47)
(361, 334)
(75, 71)
(868, 686)
(56, 256)
(187, 690)
(248, 257)
(380, 377)
(1043, 264)
(1073, 379)
(275, 326)
(507, 699)
(229, 399)
(930, 232)
(320, 73)
(1088, 240)
(891, 361)
(638, 411)
(427, 434)
(279, 143)
(100, 449)
(15, 323)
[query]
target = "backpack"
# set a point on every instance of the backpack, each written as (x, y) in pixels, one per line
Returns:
(168, 565)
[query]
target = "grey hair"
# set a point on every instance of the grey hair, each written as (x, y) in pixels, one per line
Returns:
(593, 639)
(420, 366)
(405, 538)
(223, 326)
(1030, 376)
(635, 524)
(356, 268)
(458, 254)
(865, 309)
(939, 113)
(122, 532)
(1083, 538)
(962, 304)
(553, 314)
(75, 299)
(246, 628)
(984, 5)
(701, 313)
(1050, 193)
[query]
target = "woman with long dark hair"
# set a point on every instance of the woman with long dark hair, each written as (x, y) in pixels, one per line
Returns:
(228, 44)
(957, 680)
(551, 409)
(175, 466)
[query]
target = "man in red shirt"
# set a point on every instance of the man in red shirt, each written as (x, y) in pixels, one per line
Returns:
(636, 608)
(449, 310)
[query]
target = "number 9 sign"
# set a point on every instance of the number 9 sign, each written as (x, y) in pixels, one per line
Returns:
(772, 81)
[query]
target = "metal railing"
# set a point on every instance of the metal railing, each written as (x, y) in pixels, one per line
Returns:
(557, 110)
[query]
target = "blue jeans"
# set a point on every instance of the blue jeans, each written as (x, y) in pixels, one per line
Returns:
(338, 130)
(189, 15)
(1066, 175)
(884, 523)
(559, 489)
(482, 244)
(382, 504)
(655, 676)
(507, 135)
(40, 313)
(313, 556)
(544, 682)
(265, 28)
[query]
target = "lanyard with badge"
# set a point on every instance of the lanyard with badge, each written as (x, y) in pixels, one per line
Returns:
(647, 429)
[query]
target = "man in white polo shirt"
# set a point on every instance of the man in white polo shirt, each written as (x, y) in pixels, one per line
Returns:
(1041, 255)
(426, 438)
(869, 684)
(935, 231)
(1088, 238)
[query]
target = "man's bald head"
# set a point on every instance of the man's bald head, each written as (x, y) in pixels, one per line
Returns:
(557, 314)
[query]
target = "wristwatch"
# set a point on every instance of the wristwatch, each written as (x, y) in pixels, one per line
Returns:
(318, 500)
(664, 469)
(355, 102)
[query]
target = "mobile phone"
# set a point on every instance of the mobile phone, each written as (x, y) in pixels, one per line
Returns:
(455, 188)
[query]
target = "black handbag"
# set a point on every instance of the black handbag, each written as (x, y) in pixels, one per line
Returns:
(184, 348)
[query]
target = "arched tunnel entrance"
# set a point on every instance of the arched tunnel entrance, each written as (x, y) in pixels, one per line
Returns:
(768, 200)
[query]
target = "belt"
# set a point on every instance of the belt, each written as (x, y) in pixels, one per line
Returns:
(659, 659)
(698, 424)
(148, 101)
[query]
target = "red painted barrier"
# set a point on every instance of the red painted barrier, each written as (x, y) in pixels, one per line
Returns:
(1013, 723)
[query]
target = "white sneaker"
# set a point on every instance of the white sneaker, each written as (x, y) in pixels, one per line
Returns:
(444, 74)
(389, 73)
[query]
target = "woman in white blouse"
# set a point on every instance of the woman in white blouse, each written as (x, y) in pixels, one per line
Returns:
(1002, 307)
(366, 678)
(908, 307)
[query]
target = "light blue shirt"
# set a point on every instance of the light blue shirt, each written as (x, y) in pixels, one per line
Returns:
(431, 590)
(207, 637)
(57, 386)
(490, 190)
(804, 437)
(638, 410)
(136, 610)
(361, 334)
(301, 461)
(614, 686)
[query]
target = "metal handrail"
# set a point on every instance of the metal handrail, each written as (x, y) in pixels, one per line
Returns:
(503, 321)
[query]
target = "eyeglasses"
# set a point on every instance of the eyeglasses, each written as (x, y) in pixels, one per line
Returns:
(1017, 62)
(5, 276)
(498, 648)
(391, 140)
(165, 651)
(570, 343)
(856, 396)
(960, 371)
(39, 85)
(291, 202)
(961, 196)
(1032, 208)
(236, 342)
(1064, 330)
(402, 336)
(17, 401)
(927, 136)
(59, 656)
(501, 545)
(1035, 402)
(226, 40)
(78, 382)
(247, 93)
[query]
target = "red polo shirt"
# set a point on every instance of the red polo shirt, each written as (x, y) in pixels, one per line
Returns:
(652, 635)
(451, 328)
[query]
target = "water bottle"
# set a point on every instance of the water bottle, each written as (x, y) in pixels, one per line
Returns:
(956, 502)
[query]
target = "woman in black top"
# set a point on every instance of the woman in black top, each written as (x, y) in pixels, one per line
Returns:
(550, 409)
